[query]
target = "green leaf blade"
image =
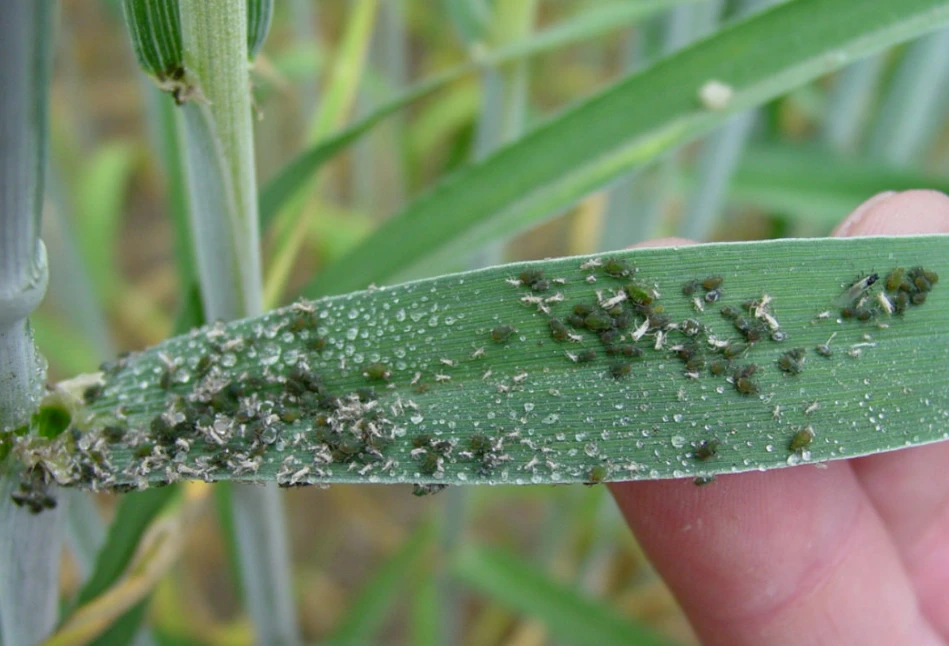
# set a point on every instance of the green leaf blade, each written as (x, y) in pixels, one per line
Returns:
(617, 130)
(459, 379)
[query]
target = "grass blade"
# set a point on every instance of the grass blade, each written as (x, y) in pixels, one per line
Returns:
(616, 131)
(915, 103)
(585, 26)
(575, 619)
(849, 102)
(366, 613)
(462, 379)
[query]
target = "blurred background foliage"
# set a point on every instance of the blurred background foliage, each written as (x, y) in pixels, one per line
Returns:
(374, 564)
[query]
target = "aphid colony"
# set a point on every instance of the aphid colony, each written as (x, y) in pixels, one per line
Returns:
(901, 290)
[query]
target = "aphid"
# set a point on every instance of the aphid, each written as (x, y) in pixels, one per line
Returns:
(730, 312)
(502, 333)
(718, 367)
(695, 365)
(204, 364)
(167, 378)
(113, 434)
(558, 330)
(622, 321)
(792, 361)
(93, 393)
(856, 290)
(639, 294)
(479, 444)
(597, 474)
(610, 337)
(316, 343)
(701, 481)
(427, 489)
(918, 299)
(377, 372)
(801, 440)
(596, 321)
(895, 279)
(576, 321)
(707, 450)
(621, 369)
(582, 309)
(690, 287)
(901, 302)
(732, 350)
(713, 296)
(712, 283)
(743, 382)
(529, 277)
(690, 327)
(586, 356)
(617, 268)
(628, 350)
(430, 463)
(824, 349)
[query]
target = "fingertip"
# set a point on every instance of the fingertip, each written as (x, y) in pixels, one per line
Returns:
(904, 213)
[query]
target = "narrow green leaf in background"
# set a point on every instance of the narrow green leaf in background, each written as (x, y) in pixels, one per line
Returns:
(573, 618)
(591, 144)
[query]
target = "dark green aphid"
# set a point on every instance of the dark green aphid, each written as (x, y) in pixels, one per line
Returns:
(597, 321)
(143, 451)
(622, 321)
(707, 450)
(377, 372)
(690, 287)
(701, 481)
(429, 463)
(204, 364)
(695, 364)
(582, 309)
(901, 302)
(617, 268)
(501, 333)
(167, 378)
(792, 361)
(922, 284)
(639, 294)
(558, 330)
(113, 434)
(824, 350)
(690, 327)
(289, 416)
(895, 279)
(576, 321)
(801, 440)
(628, 350)
(597, 474)
(712, 283)
(732, 350)
(316, 343)
(422, 440)
(621, 369)
(687, 351)
(658, 321)
(530, 276)
(302, 321)
(586, 356)
(427, 489)
(610, 337)
(918, 299)
(719, 367)
(478, 444)
(92, 393)
(865, 313)
(730, 312)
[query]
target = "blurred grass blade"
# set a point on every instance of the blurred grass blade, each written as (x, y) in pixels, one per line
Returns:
(616, 131)
(913, 110)
(101, 190)
(850, 100)
(811, 184)
(356, 388)
(366, 613)
(576, 619)
(424, 626)
(84, 531)
(586, 25)
(135, 512)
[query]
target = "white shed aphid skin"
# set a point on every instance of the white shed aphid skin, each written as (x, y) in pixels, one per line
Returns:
(813, 406)
(513, 282)
(591, 278)
(556, 298)
(440, 378)
(448, 362)
(591, 264)
(885, 302)
(487, 374)
(716, 95)
(478, 353)
(613, 301)
(639, 332)
(697, 304)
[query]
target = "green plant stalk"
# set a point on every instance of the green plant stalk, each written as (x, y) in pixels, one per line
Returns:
(29, 544)
(914, 106)
(219, 155)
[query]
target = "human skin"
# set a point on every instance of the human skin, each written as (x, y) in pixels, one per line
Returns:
(854, 552)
